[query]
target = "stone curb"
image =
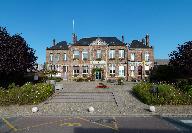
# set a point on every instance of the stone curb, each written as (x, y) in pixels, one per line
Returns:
(104, 115)
(175, 115)
(178, 123)
(39, 115)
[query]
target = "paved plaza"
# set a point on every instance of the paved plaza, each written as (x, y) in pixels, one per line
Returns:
(116, 110)
(76, 97)
(89, 125)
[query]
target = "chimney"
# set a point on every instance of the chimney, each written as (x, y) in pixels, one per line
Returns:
(122, 38)
(53, 42)
(143, 40)
(74, 37)
(147, 40)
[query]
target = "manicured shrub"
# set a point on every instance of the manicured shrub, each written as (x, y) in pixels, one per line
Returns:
(26, 94)
(167, 94)
(57, 79)
(80, 79)
(120, 80)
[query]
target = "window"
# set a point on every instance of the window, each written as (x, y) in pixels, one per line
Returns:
(98, 54)
(58, 67)
(84, 55)
(57, 57)
(50, 67)
(53, 68)
(122, 53)
(146, 67)
(75, 54)
(132, 74)
(146, 72)
(75, 70)
(121, 71)
(85, 69)
(65, 68)
(65, 56)
(146, 56)
(51, 57)
(132, 68)
(139, 70)
(111, 53)
(132, 56)
(112, 69)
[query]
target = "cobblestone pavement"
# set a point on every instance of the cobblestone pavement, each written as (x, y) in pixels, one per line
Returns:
(77, 97)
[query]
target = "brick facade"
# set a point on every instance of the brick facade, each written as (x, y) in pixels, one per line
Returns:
(99, 50)
(140, 61)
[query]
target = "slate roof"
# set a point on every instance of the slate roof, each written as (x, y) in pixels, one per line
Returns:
(138, 44)
(161, 61)
(109, 40)
(59, 46)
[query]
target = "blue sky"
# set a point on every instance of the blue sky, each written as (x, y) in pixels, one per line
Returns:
(168, 22)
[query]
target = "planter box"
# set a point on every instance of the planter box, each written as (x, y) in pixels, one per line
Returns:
(58, 87)
(53, 82)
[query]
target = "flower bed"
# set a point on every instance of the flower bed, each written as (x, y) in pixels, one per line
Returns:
(26, 94)
(167, 95)
(101, 85)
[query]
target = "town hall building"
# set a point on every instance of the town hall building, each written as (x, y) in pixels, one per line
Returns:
(101, 58)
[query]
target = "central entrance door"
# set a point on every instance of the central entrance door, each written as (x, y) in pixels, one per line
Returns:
(98, 75)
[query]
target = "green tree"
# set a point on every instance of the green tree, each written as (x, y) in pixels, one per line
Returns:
(162, 73)
(181, 59)
(16, 58)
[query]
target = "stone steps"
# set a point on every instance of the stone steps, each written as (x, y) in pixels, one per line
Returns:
(79, 100)
(85, 97)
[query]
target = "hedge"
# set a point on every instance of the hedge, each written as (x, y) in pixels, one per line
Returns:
(26, 94)
(168, 95)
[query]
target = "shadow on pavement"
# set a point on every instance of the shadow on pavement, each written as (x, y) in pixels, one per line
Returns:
(122, 130)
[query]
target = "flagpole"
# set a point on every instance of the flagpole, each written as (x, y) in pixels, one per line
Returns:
(73, 26)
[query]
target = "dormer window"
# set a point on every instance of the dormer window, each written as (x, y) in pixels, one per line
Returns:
(98, 41)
